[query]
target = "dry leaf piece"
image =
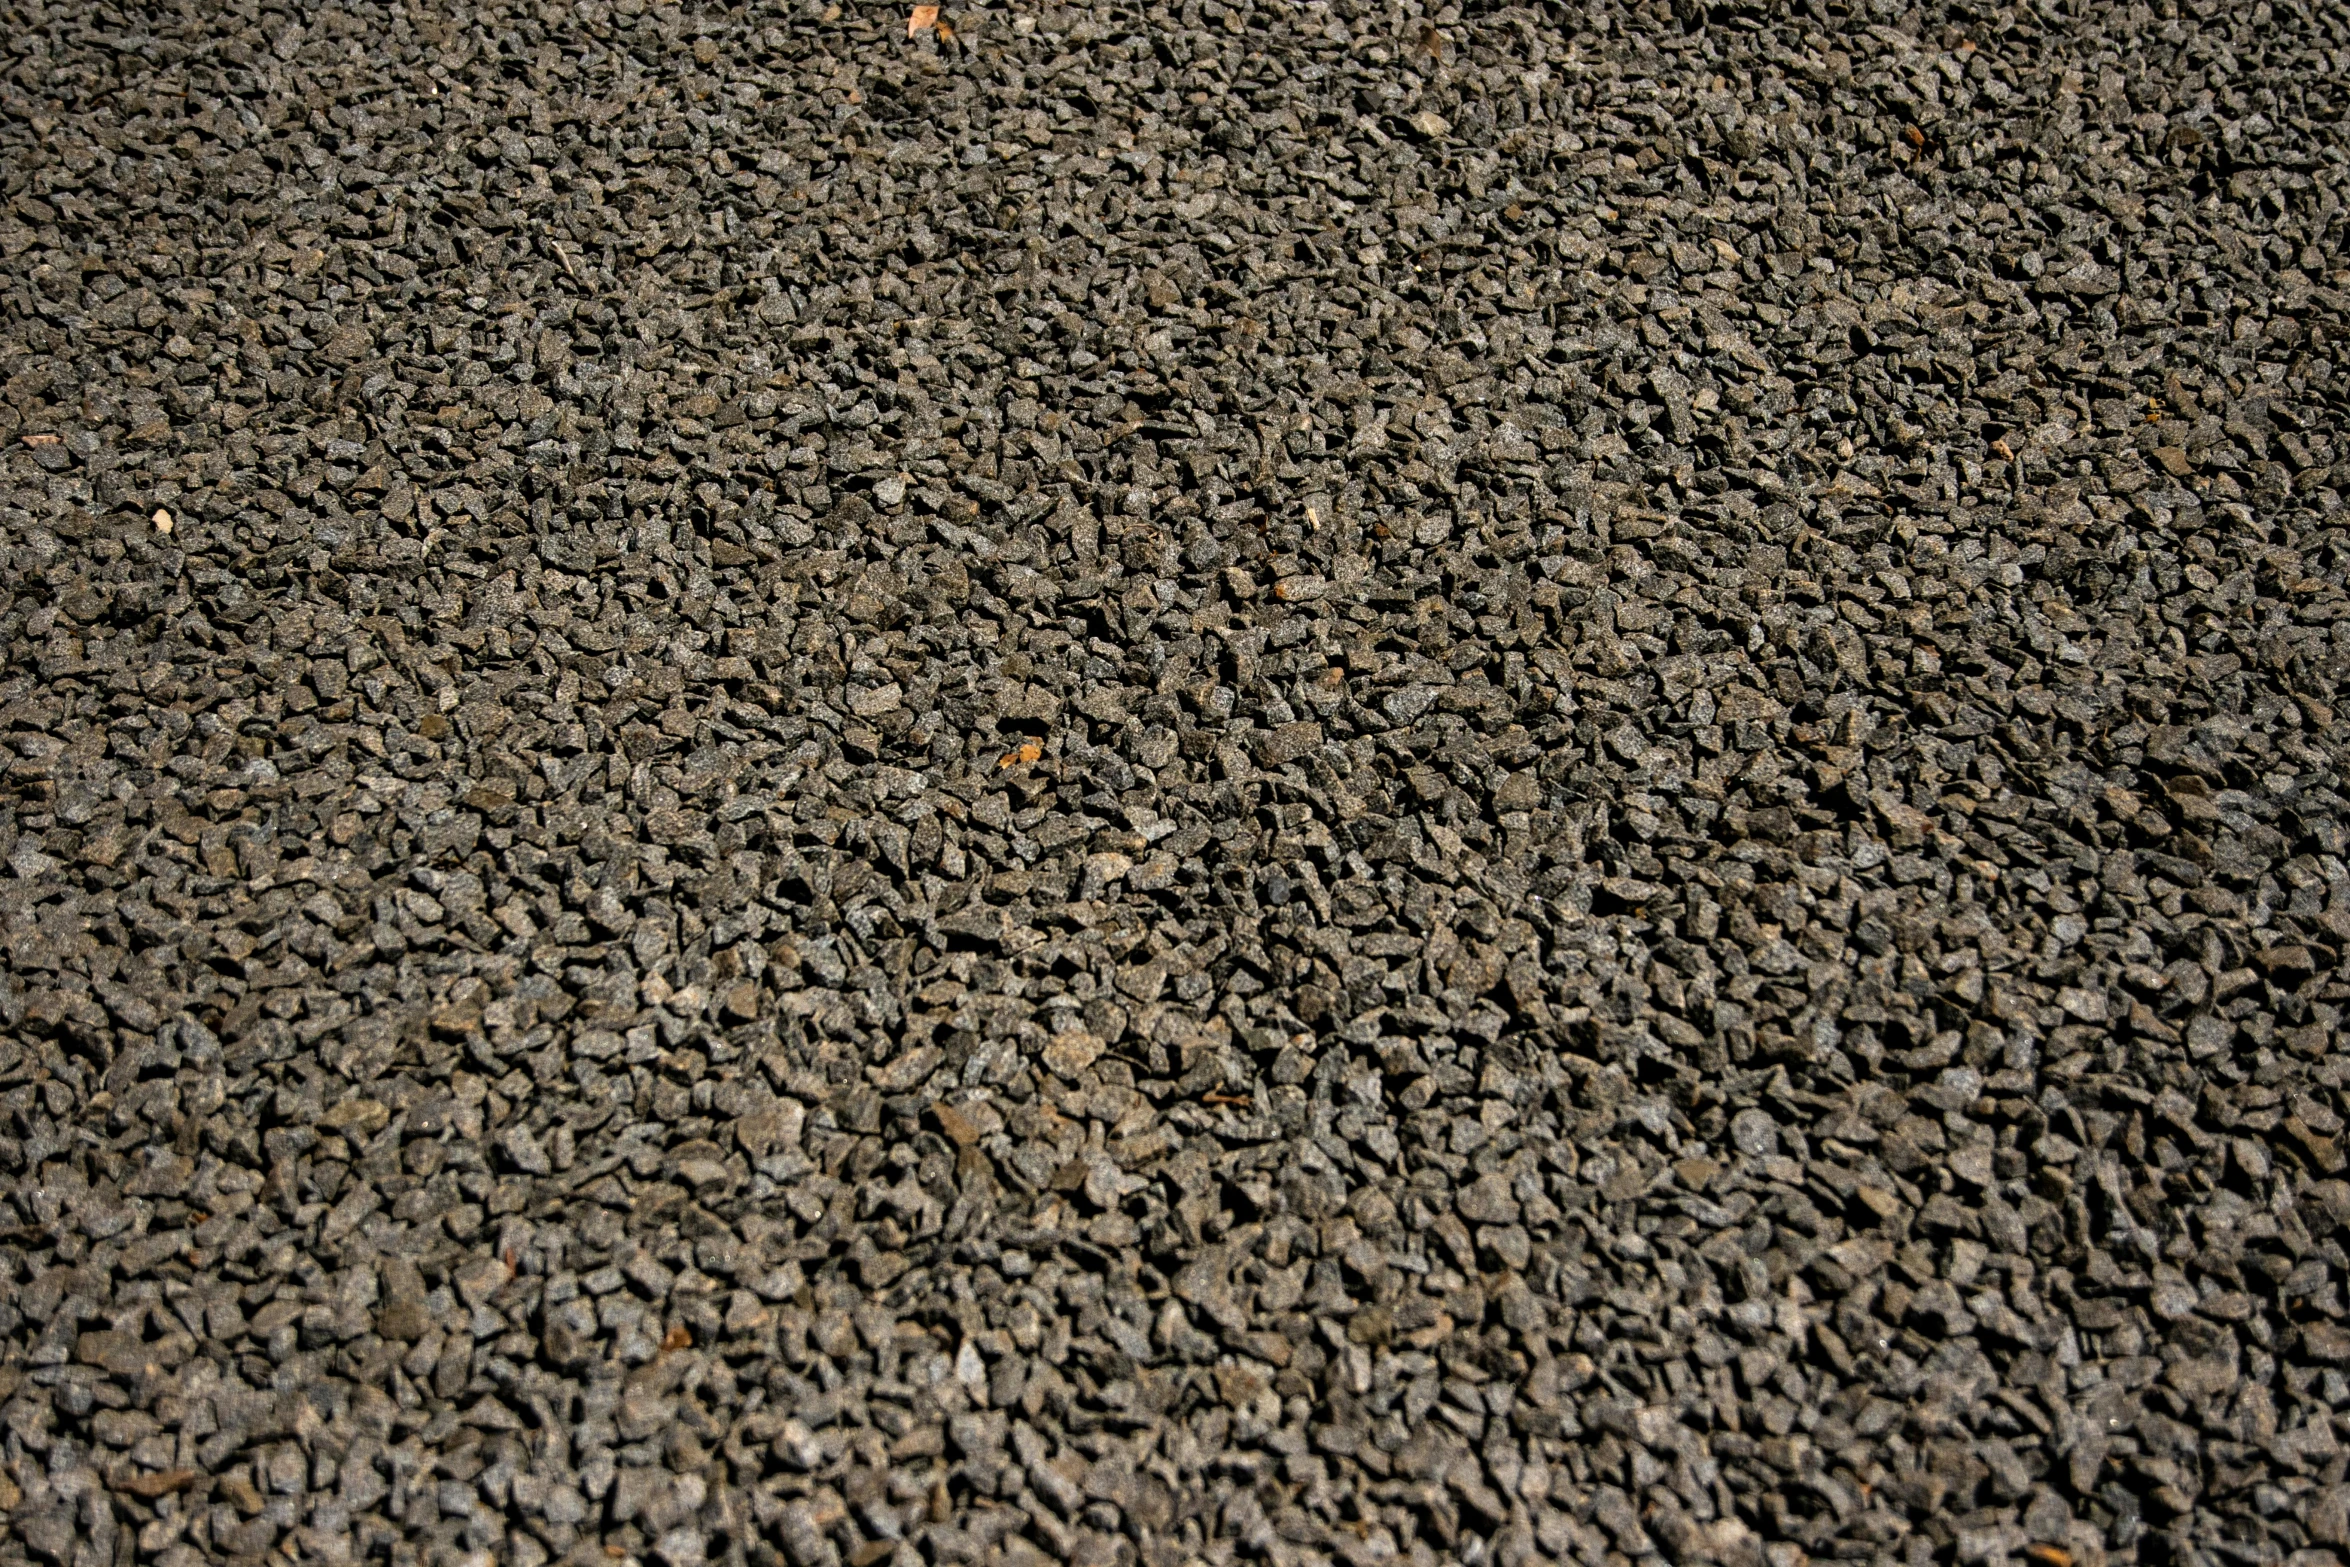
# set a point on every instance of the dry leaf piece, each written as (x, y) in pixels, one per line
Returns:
(150, 1486)
(923, 19)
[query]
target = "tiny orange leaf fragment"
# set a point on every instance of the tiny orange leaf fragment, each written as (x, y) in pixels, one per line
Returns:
(2049, 1555)
(1914, 136)
(678, 1337)
(1027, 751)
(42, 438)
(2002, 451)
(1431, 43)
(925, 18)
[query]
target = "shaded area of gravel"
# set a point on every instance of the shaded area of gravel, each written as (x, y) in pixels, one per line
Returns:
(1229, 782)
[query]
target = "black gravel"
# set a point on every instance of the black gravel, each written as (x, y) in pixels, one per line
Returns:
(1230, 781)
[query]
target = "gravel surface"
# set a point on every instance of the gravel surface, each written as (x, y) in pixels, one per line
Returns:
(1231, 781)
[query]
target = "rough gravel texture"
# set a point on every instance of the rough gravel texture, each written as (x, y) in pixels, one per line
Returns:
(1231, 781)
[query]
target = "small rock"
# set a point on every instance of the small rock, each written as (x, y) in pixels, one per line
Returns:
(1754, 1134)
(522, 1150)
(404, 1315)
(1488, 1200)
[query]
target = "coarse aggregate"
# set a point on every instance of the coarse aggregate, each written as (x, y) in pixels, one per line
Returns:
(1223, 781)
